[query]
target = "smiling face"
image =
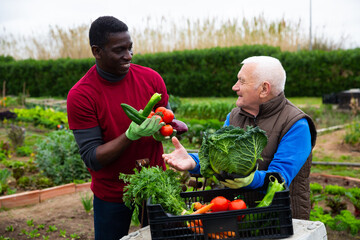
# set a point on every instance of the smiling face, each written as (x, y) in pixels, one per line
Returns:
(248, 90)
(116, 55)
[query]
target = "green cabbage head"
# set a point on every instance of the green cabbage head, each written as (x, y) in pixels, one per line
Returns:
(231, 149)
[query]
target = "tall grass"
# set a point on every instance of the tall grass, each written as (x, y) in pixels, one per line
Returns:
(168, 35)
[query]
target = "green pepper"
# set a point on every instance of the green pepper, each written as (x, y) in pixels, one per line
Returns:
(156, 97)
(274, 186)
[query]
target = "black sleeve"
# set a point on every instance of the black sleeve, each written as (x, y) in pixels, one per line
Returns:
(88, 140)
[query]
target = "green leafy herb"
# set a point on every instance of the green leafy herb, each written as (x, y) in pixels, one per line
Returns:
(231, 149)
(163, 187)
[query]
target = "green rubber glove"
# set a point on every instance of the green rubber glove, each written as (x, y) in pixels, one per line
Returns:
(159, 137)
(147, 128)
(237, 182)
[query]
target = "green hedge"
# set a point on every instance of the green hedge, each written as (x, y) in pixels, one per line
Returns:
(202, 73)
(316, 73)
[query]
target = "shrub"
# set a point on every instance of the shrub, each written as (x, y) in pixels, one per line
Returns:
(352, 135)
(59, 159)
(16, 136)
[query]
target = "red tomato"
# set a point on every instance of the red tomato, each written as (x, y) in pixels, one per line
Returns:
(237, 204)
(160, 109)
(158, 116)
(220, 204)
(151, 114)
(166, 130)
(168, 116)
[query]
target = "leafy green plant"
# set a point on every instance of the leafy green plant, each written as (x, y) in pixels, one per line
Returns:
(231, 149)
(6, 238)
(23, 151)
(16, 135)
(74, 236)
(52, 228)
(34, 233)
(353, 194)
(197, 128)
(39, 116)
(344, 221)
(87, 202)
(4, 150)
(163, 186)
(4, 175)
(9, 228)
(37, 181)
(57, 156)
(40, 226)
(352, 135)
(206, 110)
(62, 233)
(316, 194)
(18, 172)
(30, 223)
(335, 190)
(24, 182)
(336, 204)
(316, 188)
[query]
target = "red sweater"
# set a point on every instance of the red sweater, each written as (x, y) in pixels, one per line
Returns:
(94, 101)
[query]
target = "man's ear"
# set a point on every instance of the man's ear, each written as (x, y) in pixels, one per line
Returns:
(96, 51)
(265, 89)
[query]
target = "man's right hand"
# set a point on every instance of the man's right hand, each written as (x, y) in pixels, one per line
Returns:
(179, 159)
(147, 128)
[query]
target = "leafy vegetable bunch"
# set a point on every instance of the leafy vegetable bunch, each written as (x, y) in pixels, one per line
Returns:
(163, 187)
(232, 150)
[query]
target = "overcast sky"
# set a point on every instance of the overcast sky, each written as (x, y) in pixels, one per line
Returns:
(331, 18)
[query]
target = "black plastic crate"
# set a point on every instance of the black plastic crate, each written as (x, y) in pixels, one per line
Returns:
(274, 221)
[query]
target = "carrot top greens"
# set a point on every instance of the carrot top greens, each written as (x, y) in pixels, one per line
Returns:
(163, 187)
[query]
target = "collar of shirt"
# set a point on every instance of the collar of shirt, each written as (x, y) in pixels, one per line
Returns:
(109, 76)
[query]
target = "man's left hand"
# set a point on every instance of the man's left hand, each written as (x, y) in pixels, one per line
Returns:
(235, 181)
(160, 138)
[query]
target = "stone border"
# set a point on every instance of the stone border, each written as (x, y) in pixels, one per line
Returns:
(38, 196)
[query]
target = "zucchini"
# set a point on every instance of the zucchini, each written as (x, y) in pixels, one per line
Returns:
(133, 114)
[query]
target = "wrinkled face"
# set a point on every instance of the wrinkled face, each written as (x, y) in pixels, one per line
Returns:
(116, 56)
(247, 90)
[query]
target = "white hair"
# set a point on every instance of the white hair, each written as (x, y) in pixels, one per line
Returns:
(268, 69)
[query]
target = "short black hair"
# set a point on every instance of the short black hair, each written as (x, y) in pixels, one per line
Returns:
(102, 27)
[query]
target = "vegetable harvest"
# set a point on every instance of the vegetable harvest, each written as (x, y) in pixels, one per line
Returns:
(232, 150)
(165, 115)
(163, 187)
(135, 115)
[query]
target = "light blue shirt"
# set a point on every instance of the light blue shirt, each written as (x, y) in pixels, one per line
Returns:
(292, 153)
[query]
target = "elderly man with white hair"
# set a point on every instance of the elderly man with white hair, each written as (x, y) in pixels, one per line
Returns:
(291, 133)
